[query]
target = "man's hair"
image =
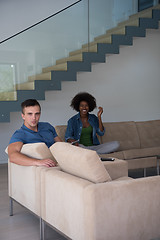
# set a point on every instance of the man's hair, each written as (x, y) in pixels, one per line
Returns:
(83, 96)
(29, 103)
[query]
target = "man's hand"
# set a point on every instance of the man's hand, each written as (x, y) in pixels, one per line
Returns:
(46, 162)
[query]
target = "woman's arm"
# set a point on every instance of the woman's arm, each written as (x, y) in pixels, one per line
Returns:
(69, 135)
(101, 127)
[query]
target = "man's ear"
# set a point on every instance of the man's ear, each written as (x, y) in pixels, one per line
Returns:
(22, 115)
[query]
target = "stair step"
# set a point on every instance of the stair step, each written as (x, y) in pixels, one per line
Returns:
(129, 22)
(75, 58)
(105, 38)
(42, 76)
(58, 67)
(143, 14)
(117, 30)
(92, 48)
(8, 96)
(25, 86)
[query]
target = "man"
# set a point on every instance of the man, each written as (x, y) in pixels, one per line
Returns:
(32, 131)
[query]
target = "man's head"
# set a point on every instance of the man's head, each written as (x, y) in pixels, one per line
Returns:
(31, 111)
(29, 103)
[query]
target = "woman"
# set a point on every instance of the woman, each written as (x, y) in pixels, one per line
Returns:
(83, 127)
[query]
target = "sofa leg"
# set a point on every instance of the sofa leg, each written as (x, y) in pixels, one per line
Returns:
(42, 229)
(158, 157)
(11, 207)
(144, 172)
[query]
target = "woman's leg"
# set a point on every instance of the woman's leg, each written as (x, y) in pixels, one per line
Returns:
(104, 148)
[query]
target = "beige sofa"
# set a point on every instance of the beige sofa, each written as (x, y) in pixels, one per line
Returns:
(139, 142)
(85, 198)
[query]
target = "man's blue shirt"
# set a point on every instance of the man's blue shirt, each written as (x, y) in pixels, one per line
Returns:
(74, 128)
(46, 133)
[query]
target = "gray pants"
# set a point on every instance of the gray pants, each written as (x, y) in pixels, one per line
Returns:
(103, 148)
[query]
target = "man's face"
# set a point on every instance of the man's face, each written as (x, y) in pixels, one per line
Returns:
(31, 116)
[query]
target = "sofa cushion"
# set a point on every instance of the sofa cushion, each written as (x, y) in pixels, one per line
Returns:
(118, 155)
(37, 150)
(61, 130)
(141, 153)
(123, 132)
(80, 162)
(149, 133)
(138, 163)
(117, 168)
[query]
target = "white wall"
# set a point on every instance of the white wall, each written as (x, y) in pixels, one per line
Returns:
(127, 86)
(17, 15)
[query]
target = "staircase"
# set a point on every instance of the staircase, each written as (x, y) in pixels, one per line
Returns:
(81, 60)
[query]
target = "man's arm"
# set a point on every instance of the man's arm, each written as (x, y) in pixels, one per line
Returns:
(15, 156)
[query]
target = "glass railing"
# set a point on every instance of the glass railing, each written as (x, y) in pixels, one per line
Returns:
(28, 53)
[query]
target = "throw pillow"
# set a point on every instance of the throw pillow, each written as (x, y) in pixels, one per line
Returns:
(80, 162)
(36, 150)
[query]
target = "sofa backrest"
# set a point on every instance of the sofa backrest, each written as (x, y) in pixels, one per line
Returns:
(149, 133)
(131, 135)
(60, 130)
(124, 132)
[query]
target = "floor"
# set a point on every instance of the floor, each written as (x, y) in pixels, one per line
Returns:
(23, 225)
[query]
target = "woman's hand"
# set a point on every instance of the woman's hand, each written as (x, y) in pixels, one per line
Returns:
(100, 112)
(99, 118)
(72, 142)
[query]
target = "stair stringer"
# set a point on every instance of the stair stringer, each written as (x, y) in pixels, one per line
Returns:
(73, 67)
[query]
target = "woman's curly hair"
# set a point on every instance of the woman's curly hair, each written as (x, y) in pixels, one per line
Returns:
(83, 96)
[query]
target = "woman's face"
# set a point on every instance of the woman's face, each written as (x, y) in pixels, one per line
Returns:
(83, 108)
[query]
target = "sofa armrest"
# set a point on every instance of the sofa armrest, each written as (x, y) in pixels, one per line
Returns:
(116, 169)
(124, 209)
(24, 185)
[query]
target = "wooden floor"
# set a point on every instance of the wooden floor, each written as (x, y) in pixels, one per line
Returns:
(23, 225)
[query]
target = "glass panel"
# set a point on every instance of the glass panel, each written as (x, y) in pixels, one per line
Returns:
(106, 14)
(32, 51)
(42, 45)
(7, 72)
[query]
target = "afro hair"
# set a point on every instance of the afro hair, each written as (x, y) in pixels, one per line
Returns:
(83, 96)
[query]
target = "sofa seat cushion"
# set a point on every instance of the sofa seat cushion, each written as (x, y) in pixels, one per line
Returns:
(138, 163)
(123, 178)
(118, 155)
(80, 162)
(141, 153)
